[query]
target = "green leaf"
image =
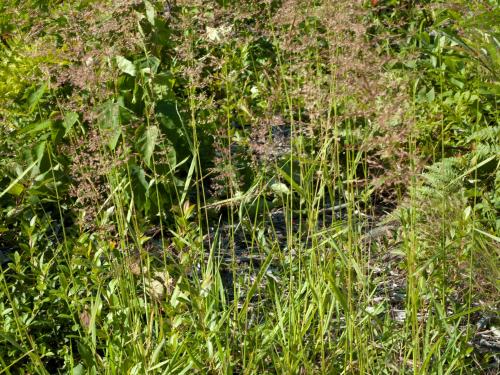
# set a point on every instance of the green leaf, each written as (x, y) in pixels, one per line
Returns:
(147, 143)
(431, 95)
(86, 354)
(280, 188)
(35, 98)
(70, 119)
(150, 12)
(109, 123)
(126, 66)
(36, 127)
(39, 149)
(188, 179)
(19, 178)
(140, 187)
(78, 370)
(457, 83)
(16, 189)
(295, 186)
(489, 235)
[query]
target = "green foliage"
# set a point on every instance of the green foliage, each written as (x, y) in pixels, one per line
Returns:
(205, 186)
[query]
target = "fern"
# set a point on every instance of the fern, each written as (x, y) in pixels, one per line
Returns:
(440, 179)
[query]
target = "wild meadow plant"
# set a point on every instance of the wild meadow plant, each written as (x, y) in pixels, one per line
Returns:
(249, 187)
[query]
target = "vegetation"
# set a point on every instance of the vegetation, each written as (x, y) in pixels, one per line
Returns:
(249, 187)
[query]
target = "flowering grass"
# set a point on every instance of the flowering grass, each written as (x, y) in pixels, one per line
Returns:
(253, 187)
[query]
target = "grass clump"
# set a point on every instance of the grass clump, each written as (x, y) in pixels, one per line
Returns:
(261, 187)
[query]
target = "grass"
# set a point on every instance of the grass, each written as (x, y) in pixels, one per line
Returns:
(261, 187)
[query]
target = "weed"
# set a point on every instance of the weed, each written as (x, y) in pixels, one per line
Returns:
(251, 187)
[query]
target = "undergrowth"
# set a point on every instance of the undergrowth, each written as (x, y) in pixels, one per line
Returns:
(249, 187)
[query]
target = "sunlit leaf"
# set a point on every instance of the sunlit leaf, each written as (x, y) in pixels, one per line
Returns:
(126, 66)
(280, 188)
(150, 12)
(70, 119)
